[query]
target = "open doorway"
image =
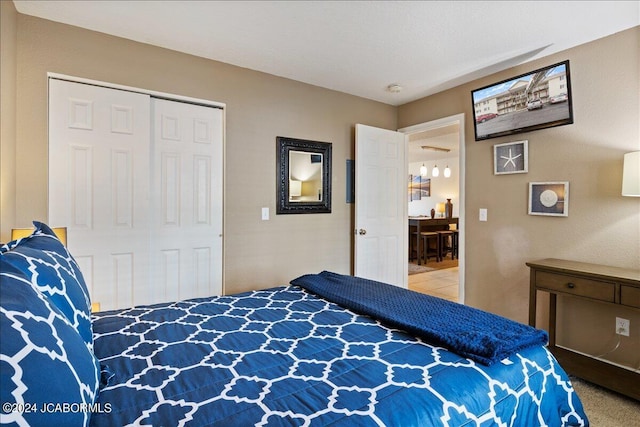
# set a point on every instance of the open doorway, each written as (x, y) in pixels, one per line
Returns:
(433, 147)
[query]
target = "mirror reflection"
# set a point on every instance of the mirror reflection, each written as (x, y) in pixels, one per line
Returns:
(305, 177)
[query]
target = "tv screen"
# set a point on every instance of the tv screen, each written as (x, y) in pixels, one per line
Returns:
(532, 101)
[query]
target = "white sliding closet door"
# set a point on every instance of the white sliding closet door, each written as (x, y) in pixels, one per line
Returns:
(99, 142)
(186, 211)
(138, 183)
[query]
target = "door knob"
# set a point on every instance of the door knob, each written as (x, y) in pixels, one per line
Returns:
(362, 232)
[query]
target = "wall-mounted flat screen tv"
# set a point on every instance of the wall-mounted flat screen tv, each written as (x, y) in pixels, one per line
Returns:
(536, 100)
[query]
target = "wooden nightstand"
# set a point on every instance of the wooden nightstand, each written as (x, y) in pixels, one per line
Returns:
(594, 282)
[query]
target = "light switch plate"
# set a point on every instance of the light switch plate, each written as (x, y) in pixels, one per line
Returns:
(265, 214)
(483, 214)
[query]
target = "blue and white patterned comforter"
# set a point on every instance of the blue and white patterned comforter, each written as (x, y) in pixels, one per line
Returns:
(287, 357)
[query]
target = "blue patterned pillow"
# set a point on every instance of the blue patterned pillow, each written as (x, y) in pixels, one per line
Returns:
(48, 376)
(51, 269)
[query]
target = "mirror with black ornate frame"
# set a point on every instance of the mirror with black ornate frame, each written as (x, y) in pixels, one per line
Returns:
(304, 176)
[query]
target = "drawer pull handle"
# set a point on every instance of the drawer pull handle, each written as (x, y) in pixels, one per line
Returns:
(571, 285)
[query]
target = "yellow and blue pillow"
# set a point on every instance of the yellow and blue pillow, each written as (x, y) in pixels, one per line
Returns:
(48, 372)
(51, 269)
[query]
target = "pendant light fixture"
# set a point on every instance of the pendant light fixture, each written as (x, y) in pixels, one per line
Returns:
(423, 170)
(435, 171)
(447, 172)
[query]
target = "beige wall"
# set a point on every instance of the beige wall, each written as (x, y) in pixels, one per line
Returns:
(260, 107)
(8, 17)
(602, 227)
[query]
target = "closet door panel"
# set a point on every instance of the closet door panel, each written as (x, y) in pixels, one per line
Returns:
(186, 211)
(99, 143)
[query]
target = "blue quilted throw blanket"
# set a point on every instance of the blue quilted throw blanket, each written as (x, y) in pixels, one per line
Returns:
(478, 335)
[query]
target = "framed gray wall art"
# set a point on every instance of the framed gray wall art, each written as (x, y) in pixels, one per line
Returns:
(511, 157)
(549, 198)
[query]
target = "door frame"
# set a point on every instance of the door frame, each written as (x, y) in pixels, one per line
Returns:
(435, 124)
(162, 95)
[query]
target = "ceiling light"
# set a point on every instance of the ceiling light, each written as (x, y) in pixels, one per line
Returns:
(423, 170)
(435, 171)
(432, 148)
(447, 172)
(394, 88)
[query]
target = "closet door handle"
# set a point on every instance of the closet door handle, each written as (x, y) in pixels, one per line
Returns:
(571, 285)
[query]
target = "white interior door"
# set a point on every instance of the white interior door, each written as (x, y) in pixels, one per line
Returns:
(186, 213)
(381, 205)
(99, 186)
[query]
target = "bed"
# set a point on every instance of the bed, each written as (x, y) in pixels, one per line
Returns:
(326, 349)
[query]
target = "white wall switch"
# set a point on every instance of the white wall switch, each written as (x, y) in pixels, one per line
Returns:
(483, 214)
(265, 214)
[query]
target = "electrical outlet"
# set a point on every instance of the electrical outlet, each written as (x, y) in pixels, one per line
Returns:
(622, 326)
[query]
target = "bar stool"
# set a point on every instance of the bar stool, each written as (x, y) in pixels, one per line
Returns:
(429, 250)
(454, 242)
(413, 235)
(446, 243)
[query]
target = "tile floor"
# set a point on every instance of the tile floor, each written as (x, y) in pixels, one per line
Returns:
(439, 283)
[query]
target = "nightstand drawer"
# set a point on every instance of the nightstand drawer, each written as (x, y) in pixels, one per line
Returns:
(602, 291)
(630, 296)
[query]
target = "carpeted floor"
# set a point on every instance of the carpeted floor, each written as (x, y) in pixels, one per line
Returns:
(606, 408)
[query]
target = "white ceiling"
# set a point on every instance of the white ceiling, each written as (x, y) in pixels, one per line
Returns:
(356, 47)
(445, 137)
